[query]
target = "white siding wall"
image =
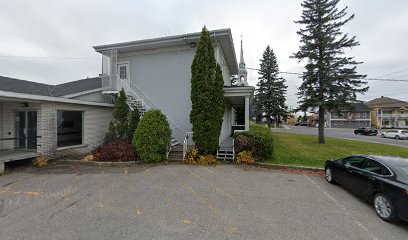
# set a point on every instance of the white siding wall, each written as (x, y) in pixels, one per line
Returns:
(219, 55)
(227, 122)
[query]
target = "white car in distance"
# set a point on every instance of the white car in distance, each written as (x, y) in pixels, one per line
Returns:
(395, 133)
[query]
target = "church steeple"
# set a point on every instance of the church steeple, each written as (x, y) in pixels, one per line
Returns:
(242, 72)
(241, 61)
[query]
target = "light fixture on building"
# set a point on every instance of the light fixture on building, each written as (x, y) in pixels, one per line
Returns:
(24, 104)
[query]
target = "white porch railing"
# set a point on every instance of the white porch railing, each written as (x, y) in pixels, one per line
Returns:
(187, 140)
(393, 115)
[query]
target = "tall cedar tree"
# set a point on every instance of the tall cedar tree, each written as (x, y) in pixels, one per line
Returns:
(271, 89)
(207, 96)
(330, 80)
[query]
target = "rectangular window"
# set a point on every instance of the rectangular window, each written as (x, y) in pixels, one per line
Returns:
(123, 71)
(335, 123)
(70, 129)
(341, 123)
(364, 114)
(358, 115)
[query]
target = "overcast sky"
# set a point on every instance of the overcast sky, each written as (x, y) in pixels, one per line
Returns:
(63, 29)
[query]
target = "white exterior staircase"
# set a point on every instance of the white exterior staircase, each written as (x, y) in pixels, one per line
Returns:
(135, 102)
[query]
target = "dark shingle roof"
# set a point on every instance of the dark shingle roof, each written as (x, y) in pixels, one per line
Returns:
(28, 87)
(77, 86)
(360, 107)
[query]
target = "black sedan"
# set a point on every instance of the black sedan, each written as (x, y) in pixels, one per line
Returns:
(380, 180)
(366, 131)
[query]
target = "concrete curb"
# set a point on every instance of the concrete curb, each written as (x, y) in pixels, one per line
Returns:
(283, 167)
(101, 164)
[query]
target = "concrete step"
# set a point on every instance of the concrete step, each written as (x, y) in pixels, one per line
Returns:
(175, 160)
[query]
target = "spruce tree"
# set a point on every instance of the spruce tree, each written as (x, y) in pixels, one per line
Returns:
(271, 89)
(133, 122)
(120, 115)
(118, 128)
(330, 81)
(207, 97)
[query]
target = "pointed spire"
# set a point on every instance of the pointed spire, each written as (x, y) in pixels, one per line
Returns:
(241, 61)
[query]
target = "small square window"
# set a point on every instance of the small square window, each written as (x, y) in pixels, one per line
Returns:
(364, 114)
(358, 115)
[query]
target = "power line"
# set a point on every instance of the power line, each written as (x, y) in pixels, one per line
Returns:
(49, 57)
(370, 79)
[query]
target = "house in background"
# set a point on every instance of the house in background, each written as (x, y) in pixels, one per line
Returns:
(358, 117)
(388, 112)
(156, 73)
(69, 118)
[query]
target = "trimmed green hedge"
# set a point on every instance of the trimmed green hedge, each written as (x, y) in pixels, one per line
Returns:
(258, 140)
(152, 136)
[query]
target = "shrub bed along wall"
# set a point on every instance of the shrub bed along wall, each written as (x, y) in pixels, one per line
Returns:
(120, 150)
(258, 140)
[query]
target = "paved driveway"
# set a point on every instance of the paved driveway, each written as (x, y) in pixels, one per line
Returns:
(342, 133)
(182, 202)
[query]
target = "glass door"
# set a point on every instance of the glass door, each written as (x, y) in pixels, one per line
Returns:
(123, 70)
(26, 130)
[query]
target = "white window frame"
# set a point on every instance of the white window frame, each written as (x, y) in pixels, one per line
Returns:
(127, 64)
(358, 115)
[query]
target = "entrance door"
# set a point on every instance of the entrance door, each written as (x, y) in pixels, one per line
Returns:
(123, 70)
(26, 129)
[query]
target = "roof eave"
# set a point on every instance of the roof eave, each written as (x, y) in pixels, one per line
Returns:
(24, 96)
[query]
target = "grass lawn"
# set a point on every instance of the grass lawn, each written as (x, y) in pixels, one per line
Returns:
(304, 150)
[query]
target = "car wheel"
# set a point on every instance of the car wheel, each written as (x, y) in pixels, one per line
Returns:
(329, 175)
(397, 137)
(384, 208)
(382, 135)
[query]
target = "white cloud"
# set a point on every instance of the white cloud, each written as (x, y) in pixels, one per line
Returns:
(71, 28)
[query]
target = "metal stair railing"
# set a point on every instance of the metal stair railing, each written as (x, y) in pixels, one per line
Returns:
(189, 135)
(129, 90)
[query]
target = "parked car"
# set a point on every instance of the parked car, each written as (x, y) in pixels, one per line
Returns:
(395, 133)
(366, 131)
(301, 124)
(381, 180)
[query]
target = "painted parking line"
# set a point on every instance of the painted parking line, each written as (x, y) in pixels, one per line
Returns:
(20, 179)
(342, 208)
(137, 208)
(183, 217)
(212, 185)
(102, 191)
(234, 183)
(230, 227)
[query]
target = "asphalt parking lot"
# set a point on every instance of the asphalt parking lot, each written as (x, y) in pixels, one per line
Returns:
(346, 133)
(182, 202)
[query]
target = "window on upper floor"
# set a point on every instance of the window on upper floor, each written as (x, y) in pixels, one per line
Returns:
(123, 71)
(358, 115)
(364, 114)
